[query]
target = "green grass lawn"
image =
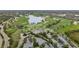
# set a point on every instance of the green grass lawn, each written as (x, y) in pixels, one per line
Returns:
(68, 28)
(74, 37)
(15, 27)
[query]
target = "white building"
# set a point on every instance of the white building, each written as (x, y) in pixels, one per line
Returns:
(75, 22)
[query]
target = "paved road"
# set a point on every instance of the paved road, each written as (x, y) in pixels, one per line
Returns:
(6, 38)
(21, 41)
(1, 40)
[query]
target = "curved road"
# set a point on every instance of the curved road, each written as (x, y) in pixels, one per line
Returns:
(1, 41)
(5, 37)
(21, 40)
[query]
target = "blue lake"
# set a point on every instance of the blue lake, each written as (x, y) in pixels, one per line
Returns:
(34, 19)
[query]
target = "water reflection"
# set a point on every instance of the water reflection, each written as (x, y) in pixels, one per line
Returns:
(34, 19)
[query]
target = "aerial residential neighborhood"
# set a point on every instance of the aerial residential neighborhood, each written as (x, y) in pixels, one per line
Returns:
(39, 29)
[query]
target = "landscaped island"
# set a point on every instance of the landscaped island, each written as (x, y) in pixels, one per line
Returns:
(39, 30)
